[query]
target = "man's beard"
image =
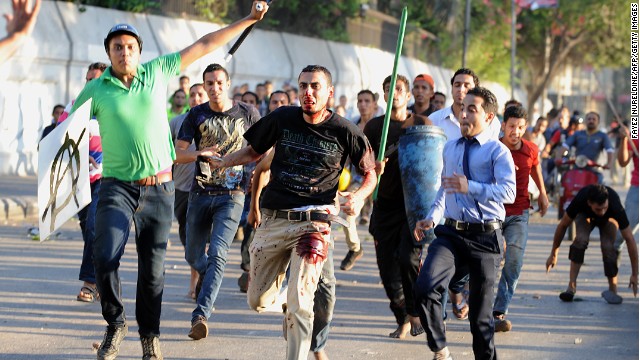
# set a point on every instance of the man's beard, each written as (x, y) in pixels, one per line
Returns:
(311, 112)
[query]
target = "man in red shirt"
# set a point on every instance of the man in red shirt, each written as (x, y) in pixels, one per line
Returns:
(514, 229)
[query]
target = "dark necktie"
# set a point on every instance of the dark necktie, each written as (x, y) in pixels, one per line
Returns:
(465, 167)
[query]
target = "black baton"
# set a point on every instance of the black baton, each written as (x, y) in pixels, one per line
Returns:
(243, 36)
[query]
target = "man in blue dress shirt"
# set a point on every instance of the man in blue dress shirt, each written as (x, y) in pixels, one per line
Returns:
(478, 177)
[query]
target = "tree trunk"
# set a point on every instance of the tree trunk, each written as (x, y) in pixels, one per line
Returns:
(540, 82)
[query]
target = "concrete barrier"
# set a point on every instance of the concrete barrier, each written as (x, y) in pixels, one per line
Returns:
(50, 67)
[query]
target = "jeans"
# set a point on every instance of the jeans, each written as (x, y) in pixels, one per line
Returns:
(631, 208)
(451, 250)
(150, 208)
(211, 219)
(514, 230)
(87, 218)
(248, 231)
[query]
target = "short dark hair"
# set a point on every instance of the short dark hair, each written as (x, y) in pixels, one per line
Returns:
(465, 71)
(280, 92)
(490, 103)
(367, 91)
(598, 193)
(98, 66)
(183, 77)
(56, 107)
(439, 93)
(512, 102)
(516, 112)
(251, 93)
(179, 91)
(401, 78)
(194, 85)
(318, 68)
(215, 67)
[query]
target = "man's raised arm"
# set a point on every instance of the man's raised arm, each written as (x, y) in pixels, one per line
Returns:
(214, 40)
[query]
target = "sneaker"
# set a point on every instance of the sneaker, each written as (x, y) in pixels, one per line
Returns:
(461, 311)
(350, 260)
(443, 354)
(199, 328)
(110, 345)
(501, 324)
(151, 348)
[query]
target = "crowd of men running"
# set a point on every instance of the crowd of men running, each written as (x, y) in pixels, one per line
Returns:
(232, 158)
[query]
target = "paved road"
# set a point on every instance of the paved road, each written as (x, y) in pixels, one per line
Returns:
(41, 319)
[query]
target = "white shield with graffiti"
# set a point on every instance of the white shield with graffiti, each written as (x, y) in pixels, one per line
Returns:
(63, 172)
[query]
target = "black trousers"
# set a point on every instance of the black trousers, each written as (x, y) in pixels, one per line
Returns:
(398, 259)
(451, 252)
(180, 212)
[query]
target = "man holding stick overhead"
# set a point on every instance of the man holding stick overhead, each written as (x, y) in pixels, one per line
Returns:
(129, 103)
(311, 145)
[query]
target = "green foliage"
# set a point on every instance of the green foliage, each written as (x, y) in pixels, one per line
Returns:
(211, 10)
(585, 32)
(319, 19)
(126, 5)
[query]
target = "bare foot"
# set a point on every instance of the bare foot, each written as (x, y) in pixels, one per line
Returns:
(416, 326)
(401, 331)
(320, 355)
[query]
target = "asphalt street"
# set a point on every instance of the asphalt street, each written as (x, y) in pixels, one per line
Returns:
(41, 319)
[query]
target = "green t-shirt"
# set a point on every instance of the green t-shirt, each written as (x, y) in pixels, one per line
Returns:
(136, 140)
(171, 114)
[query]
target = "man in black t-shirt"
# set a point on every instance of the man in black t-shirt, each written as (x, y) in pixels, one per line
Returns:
(216, 198)
(397, 255)
(596, 205)
(311, 145)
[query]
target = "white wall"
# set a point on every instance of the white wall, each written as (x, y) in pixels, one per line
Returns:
(50, 68)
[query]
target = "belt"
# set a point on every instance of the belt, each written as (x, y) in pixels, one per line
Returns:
(148, 181)
(305, 216)
(474, 227)
(154, 179)
(218, 192)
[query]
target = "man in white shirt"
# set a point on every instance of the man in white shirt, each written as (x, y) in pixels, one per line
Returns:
(462, 81)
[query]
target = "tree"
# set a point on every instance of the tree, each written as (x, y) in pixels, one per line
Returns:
(319, 19)
(586, 32)
(126, 5)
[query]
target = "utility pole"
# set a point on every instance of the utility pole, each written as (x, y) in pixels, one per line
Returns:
(513, 48)
(467, 19)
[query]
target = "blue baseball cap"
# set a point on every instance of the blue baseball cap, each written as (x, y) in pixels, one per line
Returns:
(122, 29)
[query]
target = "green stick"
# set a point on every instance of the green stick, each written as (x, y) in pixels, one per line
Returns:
(392, 87)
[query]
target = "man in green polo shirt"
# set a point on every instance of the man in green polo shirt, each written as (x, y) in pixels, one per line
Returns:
(129, 101)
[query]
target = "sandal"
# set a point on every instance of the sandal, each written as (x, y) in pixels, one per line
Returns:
(88, 294)
(461, 311)
(611, 297)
